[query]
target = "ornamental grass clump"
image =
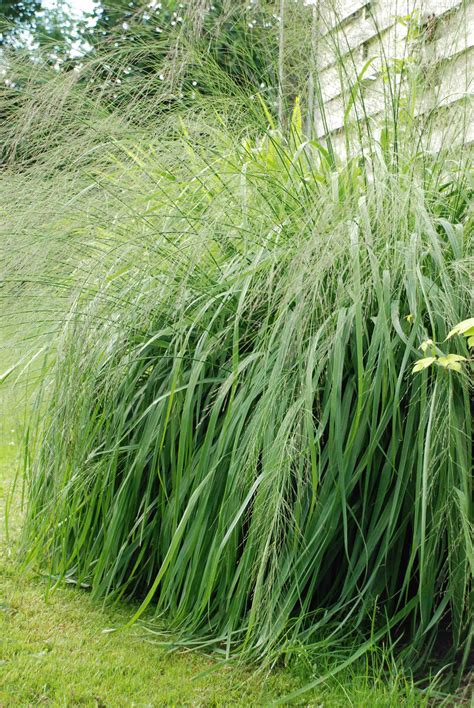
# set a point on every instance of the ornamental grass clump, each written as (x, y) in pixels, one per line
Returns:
(232, 431)
(233, 426)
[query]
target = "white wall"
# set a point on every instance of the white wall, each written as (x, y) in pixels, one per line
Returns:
(358, 30)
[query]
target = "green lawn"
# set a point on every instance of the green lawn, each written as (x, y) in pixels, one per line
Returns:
(54, 650)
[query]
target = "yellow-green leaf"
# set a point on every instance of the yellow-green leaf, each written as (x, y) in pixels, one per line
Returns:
(455, 366)
(464, 328)
(267, 112)
(423, 364)
(409, 318)
(424, 345)
(451, 361)
(470, 342)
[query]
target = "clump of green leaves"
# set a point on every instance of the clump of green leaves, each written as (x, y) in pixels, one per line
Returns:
(231, 434)
(227, 427)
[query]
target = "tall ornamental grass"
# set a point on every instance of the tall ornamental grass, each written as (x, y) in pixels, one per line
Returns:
(232, 431)
(229, 427)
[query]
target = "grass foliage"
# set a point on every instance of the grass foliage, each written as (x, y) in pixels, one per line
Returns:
(229, 428)
(58, 649)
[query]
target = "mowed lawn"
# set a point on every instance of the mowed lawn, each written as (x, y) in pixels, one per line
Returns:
(55, 648)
